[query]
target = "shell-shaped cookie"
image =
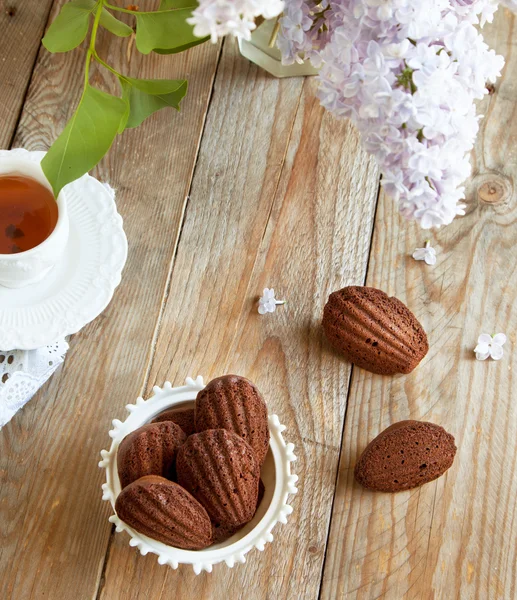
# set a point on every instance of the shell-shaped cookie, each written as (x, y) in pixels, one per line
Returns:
(164, 511)
(149, 450)
(234, 403)
(182, 417)
(220, 470)
(374, 331)
(220, 533)
(404, 456)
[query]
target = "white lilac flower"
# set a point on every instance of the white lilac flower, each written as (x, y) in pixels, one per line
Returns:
(299, 36)
(490, 346)
(427, 253)
(407, 73)
(218, 18)
(268, 302)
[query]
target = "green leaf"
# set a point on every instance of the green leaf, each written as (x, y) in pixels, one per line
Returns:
(165, 31)
(70, 26)
(127, 110)
(86, 138)
(182, 48)
(146, 96)
(157, 87)
(112, 24)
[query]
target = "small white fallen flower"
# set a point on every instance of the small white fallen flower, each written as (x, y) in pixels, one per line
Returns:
(428, 253)
(489, 345)
(268, 302)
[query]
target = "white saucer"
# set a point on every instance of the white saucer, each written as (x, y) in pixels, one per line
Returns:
(78, 288)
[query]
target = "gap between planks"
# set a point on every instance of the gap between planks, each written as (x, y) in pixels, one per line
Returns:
(102, 578)
(15, 131)
(268, 218)
(166, 289)
(156, 333)
(349, 387)
(274, 200)
(29, 81)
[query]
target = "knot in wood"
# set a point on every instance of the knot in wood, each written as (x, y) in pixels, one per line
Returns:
(494, 190)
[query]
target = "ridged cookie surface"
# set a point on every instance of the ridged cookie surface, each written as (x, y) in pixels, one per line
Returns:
(220, 533)
(234, 403)
(164, 511)
(149, 450)
(182, 417)
(404, 456)
(374, 331)
(221, 471)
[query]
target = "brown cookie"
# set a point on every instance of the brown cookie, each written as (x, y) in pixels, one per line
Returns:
(220, 534)
(261, 492)
(221, 471)
(373, 331)
(404, 456)
(182, 417)
(234, 403)
(164, 511)
(149, 450)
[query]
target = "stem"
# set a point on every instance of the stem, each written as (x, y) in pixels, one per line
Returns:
(275, 31)
(120, 9)
(111, 69)
(138, 12)
(91, 49)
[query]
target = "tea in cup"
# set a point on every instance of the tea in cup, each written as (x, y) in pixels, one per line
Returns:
(33, 224)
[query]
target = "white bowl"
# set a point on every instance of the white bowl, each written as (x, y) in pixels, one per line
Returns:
(276, 476)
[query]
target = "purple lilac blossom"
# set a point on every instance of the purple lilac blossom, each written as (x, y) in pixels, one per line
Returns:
(407, 73)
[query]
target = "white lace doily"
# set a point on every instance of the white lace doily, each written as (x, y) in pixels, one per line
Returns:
(23, 372)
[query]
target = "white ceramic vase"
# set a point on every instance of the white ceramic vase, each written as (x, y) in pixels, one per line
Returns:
(258, 51)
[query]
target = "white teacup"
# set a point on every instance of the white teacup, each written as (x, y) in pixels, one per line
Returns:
(30, 266)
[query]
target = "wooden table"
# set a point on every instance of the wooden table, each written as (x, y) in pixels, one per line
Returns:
(254, 185)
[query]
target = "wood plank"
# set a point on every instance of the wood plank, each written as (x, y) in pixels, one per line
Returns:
(22, 23)
(270, 206)
(453, 538)
(54, 526)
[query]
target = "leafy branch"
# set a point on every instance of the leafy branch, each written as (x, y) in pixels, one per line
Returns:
(100, 116)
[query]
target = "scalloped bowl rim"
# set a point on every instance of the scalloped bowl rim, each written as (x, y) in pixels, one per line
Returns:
(278, 510)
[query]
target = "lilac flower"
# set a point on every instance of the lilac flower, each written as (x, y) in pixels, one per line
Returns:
(489, 345)
(407, 74)
(268, 302)
(427, 253)
(218, 18)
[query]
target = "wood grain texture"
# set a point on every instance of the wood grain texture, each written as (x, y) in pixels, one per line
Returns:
(301, 224)
(453, 538)
(21, 25)
(282, 197)
(54, 527)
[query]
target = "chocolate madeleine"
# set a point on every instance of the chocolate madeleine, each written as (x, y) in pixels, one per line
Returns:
(404, 456)
(164, 511)
(234, 403)
(149, 450)
(221, 471)
(374, 331)
(182, 417)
